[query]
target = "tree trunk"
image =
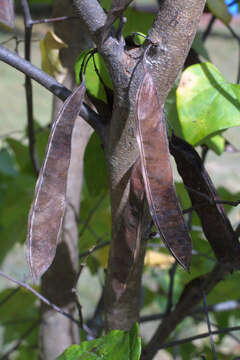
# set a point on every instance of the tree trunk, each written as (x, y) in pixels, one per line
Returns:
(56, 331)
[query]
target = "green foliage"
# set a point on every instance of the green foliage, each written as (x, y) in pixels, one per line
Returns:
(118, 345)
(93, 82)
(95, 164)
(97, 228)
(18, 314)
(206, 103)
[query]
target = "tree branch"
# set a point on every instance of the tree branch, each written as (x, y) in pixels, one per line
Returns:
(173, 30)
(93, 16)
(190, 297)
(200, 336)
(28, 87)
(52, 85)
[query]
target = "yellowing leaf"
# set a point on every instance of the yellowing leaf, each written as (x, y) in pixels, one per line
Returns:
(7, 17)
(50, 47)
(102, 256)
(220, 10)
(155, 258)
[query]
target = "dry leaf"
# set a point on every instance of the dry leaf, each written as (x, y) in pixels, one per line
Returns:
(50, 47)
(155, 258)
(157, 172)
(47, 210)
(215, 223)
(7, 17)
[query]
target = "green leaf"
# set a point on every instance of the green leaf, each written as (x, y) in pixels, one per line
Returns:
(220, 10)
(117, 345)
(95, 164)
(14, 207)
(20, 308)
(7, 163)
(99, 224)
(22, 157)
(216, 143)
(93, 83)
(206, 103)
(27, 353)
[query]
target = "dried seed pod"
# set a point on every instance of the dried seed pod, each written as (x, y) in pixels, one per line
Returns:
(47, 210)
(157, 172)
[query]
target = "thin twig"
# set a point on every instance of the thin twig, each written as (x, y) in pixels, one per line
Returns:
(46, 301)
(53, 20)
(28, 87)
(172, 273)
(197, 337)
(91, 213)
(209, 325)
(209, 28)
(229, 305)
(93, 249)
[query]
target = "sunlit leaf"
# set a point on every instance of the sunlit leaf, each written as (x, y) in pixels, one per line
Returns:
(216, 143)
(117, 345)
(93, 82)
(206, 103)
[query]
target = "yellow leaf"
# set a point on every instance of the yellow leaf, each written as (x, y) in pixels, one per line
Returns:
(220, 10)
(102, 256)
(155, 258)
(50, 47)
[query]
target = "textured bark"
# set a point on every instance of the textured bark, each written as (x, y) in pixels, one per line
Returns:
(56, 331)
(173, 33)
(178, 32)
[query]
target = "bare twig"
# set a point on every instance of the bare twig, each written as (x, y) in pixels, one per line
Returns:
(209, 28)
(46, 301)
(28, 87)
(52, 20)
(189, 298)
(197, 337)
(93, 249)
(209, 325)
(52, 85)
(91, 213)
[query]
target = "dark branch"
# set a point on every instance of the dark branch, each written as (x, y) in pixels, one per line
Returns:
(200, 336)
(28, 87)
(52, 85)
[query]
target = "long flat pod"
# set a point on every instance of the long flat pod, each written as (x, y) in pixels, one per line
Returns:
(47, 210)
(157, 172)
(216, 225)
